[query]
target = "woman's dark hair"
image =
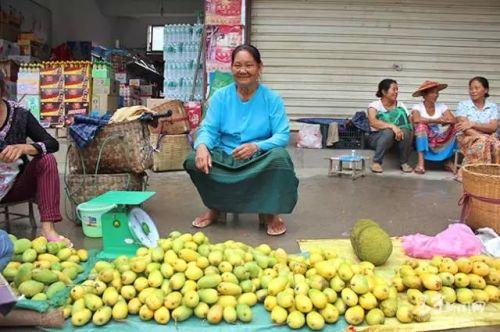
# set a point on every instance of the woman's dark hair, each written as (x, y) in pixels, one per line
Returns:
(384, 85)
(254, 52)
(483, 81)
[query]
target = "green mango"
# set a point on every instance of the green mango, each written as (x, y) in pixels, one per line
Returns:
(29, 255)
(53, 289)
(45, 276)
(23, 274)
(10, 273)
(30, 288)
(21, 246)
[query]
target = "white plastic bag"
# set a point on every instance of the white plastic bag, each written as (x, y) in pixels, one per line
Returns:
(309, 136)
(8, 173)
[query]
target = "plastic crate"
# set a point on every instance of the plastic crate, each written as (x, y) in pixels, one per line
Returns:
(350, 137)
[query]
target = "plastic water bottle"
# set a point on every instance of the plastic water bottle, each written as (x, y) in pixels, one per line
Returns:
(353, 154)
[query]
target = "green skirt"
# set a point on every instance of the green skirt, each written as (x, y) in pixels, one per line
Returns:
(265, 183)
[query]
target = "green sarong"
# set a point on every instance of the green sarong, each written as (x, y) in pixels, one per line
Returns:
(265, 183)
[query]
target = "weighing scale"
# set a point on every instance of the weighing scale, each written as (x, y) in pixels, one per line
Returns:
(125, 227)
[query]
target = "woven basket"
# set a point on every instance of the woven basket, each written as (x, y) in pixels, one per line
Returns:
(118, 148)
(170, 152)
(176, 124)
(483, 181)
(82, 188)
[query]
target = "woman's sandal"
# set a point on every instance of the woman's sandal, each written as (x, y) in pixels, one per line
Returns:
(419, 170)
(270, 230)
(204, 220)
(60, 238)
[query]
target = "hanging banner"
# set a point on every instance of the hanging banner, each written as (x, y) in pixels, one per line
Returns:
(221, 41)
(223, 12)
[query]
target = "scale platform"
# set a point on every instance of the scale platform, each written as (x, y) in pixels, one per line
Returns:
(121, 236)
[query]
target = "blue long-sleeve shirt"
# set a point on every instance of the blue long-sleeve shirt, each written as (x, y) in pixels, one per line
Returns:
(230, 122)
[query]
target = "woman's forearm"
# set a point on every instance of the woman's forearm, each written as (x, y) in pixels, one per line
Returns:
(485, 128)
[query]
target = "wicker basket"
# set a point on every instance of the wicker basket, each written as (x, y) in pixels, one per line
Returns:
(170, 152)
(174, 125)
(483, 181)
(118, 148)
(81, 188)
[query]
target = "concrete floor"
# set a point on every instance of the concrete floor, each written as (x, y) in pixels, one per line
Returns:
(327, 206)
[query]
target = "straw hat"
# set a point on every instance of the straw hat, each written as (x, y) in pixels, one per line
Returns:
(428, 85)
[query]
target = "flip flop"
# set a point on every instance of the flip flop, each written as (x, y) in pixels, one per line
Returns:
(60, 238)
(419, 170)
(269, 230)
(202, 223)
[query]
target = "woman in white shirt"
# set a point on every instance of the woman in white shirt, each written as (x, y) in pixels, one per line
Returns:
(434, 126)
(389, 122)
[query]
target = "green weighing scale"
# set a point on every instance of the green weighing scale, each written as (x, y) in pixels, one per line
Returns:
(125, 227)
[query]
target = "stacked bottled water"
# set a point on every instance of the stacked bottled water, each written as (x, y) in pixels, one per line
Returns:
(180, 52)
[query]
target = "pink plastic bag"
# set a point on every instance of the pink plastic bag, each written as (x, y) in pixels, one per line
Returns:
(309, 136)
(455, 241)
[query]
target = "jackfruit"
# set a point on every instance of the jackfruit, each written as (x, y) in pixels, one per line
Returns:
(373, 244)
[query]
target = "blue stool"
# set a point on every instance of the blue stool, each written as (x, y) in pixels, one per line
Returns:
(355, 166)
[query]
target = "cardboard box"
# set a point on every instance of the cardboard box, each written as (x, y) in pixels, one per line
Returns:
(121, 78)
(51, 68)
(146, 90)
(52, 95)
(72, 109)
(28, 83)
(102, 104)
(28, 47)
(52, 81)
(76, 81)
(8, 48)
(136, 82)
(51, 109)
(104, 86)
(77, 95)
(31, 103)
(77, 68)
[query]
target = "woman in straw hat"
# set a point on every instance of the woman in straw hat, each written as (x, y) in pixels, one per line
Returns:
(434, 126)
(477, 123)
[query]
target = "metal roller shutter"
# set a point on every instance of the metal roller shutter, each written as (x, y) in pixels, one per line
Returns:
(326, 57)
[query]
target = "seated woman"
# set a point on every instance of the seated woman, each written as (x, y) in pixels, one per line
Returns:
(434, 126)
(240, 164)
(22, 179)
(389, 124)
(477, 122)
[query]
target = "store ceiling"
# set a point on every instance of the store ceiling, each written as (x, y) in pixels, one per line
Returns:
(149, 8)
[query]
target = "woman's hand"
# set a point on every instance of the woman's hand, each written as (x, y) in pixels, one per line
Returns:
(13, 152)
(398, 133)
(245, 151)
(203, 161)
(464, 125)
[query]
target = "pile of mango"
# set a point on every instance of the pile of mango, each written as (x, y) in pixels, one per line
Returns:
(186, 275)
(40, 269)
(443, 281)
